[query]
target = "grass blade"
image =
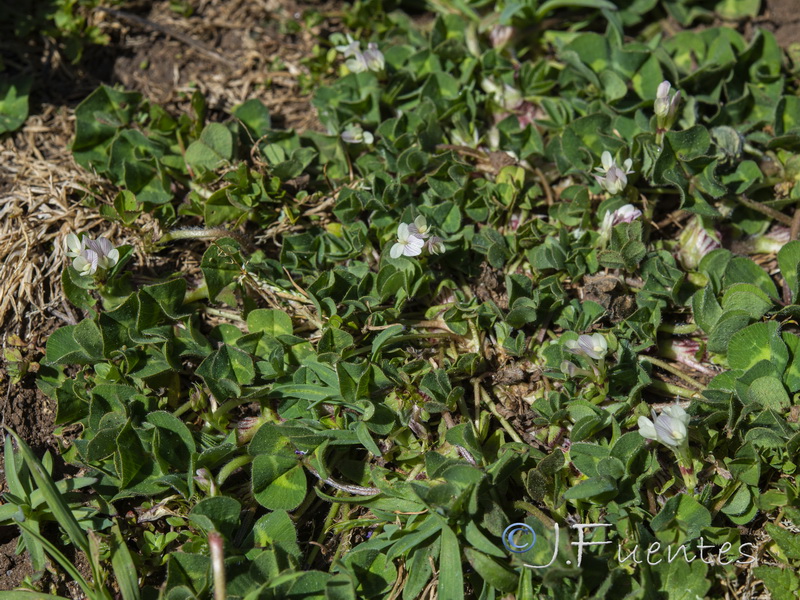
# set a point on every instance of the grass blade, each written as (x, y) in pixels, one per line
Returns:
(52, 496)
(123, 565)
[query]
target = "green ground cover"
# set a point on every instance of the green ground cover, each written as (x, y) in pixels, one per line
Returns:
(514, 283)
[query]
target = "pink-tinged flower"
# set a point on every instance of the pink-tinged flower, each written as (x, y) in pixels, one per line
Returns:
(90, 255)
(500, 35)
(420, 227)
(75, 245)
(108, 256)
(624, 214)
(434, 245)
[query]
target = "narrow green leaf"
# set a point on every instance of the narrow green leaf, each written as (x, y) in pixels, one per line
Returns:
(451, 577)
(124, 568)
(52, 496)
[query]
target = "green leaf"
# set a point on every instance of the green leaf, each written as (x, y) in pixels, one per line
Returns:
(495, 574)
(782, 583)
(384, 338)
(226, 370)
(125, 570)
(590, 488)
(279, 483)
(789, 263)
(130, 455)
(218, 513)
(451, 577)
(786, 540)
(172, 423)
(255, 116)
(731, 322)
(214, 148)
(76, 289)
(366, 439)
(13, 101)
(687, 511)
(769, 393)
(62, 349)
(97, 120)
(552, 5)
(221, 265)
(759, 341)
(464, 436)
(270, 321)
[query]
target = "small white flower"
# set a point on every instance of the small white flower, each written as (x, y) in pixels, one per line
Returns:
(624, 214)
(87, 262)
(75, 245)
(666, 107)
(615, 178)
(500, 35)
(106, 253)
(407, 244)
(669, 428)
(350, 49)
(420, 227)
(374, 58)
(353, 134)
(90, 255)
(594, 346)
(357, 63)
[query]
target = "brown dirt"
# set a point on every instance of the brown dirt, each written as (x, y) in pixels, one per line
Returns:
(13, 568)
(782, 18)
(241, 51)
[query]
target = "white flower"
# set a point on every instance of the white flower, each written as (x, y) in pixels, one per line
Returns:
(624, 214)
(107, 255)
(669, 428)
(407, 244)
(353, 134)
(593, 346)
(500, 35)
(90, 255)
(420, 227)
(374, 57)
(506, 96)
(358, 63)
(86, 263)
(666, 108)
(350, 49)
(75, 245)
(614, 179)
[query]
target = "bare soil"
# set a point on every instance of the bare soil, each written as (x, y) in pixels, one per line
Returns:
(782, 17)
